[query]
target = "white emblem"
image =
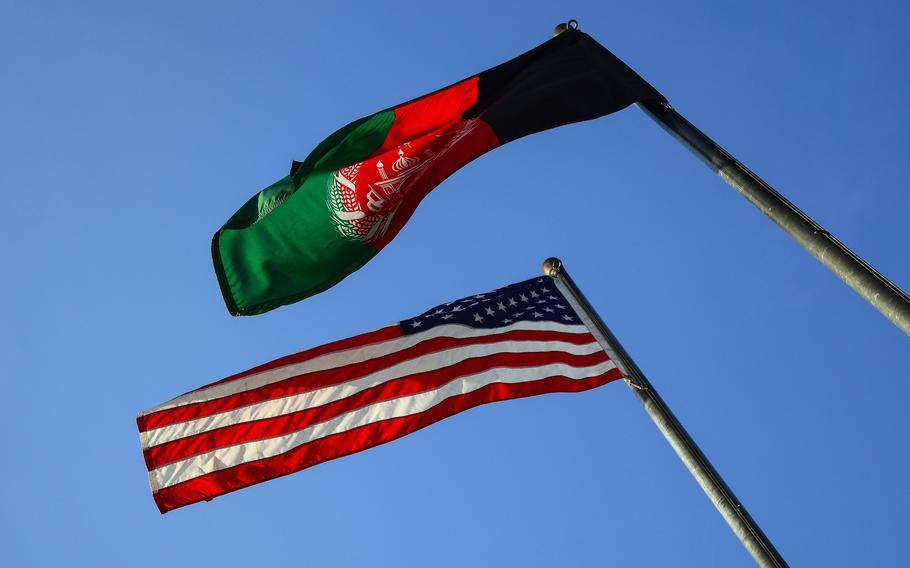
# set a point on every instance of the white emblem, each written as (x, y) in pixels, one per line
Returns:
(364, 197)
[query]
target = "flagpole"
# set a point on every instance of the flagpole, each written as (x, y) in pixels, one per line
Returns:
(743, 525)
(884, 295)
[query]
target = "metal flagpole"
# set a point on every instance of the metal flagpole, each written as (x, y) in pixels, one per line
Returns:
(743, 525)
(887, 298)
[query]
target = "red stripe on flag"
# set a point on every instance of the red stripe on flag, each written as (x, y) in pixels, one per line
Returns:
(248, 431)
(318, 379)
(429, 114)
(466, 146)
(337, 445)
(149, 421)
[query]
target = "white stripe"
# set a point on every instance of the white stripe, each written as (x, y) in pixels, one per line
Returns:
(589, 324)
(349, 356)
(226, 457)
(294, 403)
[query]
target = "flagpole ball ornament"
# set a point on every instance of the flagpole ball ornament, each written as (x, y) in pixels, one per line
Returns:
(563, 26)
(552, 266)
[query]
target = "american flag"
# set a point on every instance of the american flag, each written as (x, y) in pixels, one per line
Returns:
(286, 415)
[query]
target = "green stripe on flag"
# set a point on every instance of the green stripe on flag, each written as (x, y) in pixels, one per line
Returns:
(282, 245)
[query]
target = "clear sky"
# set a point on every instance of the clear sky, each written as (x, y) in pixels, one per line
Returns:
(130, 133)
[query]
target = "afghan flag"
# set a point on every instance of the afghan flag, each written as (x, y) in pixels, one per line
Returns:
(357, 189)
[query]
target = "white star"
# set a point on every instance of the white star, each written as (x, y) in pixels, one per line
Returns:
(540, 280)
(544, 290)
(501, 306)
(480, 296)
(523, 298)
(541, 301)
(416, 323)
(537, 315)
(516, 315)
(567, 317)
(560, 306)
(457, 308)
(507, 320)
(534, 294)
(512, 302)
(553, 297)
(548, 309)
(478, 318)
(447, 316)
(439, 311)
(489, 311)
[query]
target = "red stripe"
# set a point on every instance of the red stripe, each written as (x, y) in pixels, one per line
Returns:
(183, 448)
(340, 374)
(337, 445)
(150, 421)
(430, 113)
(479, 141)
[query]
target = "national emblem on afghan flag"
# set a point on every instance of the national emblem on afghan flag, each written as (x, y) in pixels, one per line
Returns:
(355, 191)
(525, 339)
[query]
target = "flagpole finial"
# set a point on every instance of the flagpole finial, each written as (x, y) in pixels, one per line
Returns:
(563, 26)
(552, 266)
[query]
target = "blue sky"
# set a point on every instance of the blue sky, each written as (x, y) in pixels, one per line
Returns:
(130, 133)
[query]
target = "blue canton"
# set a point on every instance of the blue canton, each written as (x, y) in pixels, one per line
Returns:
(536, 299)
